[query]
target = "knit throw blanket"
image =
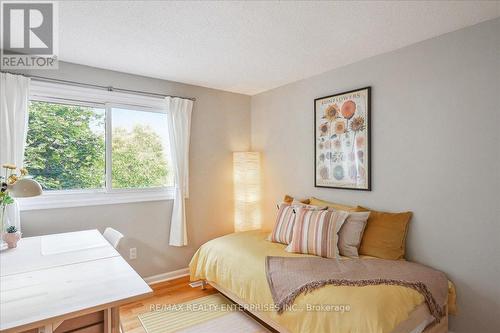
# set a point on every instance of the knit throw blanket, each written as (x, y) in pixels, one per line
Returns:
(290, 277)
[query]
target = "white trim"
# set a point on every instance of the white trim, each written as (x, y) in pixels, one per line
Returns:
(65, 199)
(108, 143)
(167, 276)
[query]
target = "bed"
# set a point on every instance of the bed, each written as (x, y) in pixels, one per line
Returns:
(235, 265)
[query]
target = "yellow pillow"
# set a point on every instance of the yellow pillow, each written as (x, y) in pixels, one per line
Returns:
(385, 235)
(288, 199)
(318, 202)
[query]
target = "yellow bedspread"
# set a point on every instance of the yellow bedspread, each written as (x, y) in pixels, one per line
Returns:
(237, 263)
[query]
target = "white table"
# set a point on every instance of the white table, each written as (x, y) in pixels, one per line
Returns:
(65, 282)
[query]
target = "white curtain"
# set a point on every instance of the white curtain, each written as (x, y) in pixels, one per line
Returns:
(179, 124)
(14, 94)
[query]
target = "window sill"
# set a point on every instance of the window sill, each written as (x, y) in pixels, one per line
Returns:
(66, 199)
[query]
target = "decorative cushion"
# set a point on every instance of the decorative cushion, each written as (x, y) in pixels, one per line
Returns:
(385, 235)
(285, 220)
(318, 202)
(316, 232)
(283, 228)
(351, 232)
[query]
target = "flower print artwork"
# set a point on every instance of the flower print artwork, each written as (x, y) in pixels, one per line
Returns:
(340, 127)
(323, 172)
(348, 109)
(360, 141)
(358, 124)
(331, 112)
(324, 129)
(338, 172)
(342, 140)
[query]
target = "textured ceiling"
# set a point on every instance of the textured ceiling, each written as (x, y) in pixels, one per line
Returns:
(249, 47)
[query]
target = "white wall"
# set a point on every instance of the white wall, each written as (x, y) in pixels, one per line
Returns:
(435, 151)
(220, 125)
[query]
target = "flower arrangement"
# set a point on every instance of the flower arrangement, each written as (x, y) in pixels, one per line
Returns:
(7, 179)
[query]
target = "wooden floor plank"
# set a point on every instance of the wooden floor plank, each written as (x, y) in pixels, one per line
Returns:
(168, 292)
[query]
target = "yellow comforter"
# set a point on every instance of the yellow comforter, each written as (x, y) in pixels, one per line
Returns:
(237, 262)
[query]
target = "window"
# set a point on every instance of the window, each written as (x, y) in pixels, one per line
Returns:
(140, 149)
(96, 147)
(65, 146)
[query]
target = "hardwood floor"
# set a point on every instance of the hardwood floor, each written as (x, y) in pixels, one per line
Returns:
(169, 292)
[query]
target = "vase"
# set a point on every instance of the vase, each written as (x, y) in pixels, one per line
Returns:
(11, 239)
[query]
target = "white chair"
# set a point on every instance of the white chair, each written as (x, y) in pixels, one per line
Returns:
(113, 236)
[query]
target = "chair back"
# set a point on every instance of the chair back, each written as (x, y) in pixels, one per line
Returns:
(112, 236)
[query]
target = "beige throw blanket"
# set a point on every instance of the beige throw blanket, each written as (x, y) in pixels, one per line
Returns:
(290, 277)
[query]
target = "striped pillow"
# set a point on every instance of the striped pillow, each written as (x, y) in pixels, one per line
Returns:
(316, 232)
(285, 220)
(283, 229)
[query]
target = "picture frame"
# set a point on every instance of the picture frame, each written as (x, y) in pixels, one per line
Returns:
(342, 140)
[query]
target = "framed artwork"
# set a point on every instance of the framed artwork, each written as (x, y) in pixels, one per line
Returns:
(342, 140)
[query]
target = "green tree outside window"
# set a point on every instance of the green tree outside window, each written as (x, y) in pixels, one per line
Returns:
(66, 150)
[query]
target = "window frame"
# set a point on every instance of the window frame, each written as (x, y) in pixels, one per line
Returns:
(76, 95)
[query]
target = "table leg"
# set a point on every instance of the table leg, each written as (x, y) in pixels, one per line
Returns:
(115, 320)
(46, 329)
(107, 321)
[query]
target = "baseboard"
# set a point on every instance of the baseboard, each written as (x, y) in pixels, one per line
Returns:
(167, 276)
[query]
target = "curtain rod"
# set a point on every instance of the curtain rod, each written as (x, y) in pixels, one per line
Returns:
(108, 88)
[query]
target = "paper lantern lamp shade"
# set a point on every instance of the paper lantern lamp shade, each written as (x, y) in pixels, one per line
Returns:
(246, 172)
